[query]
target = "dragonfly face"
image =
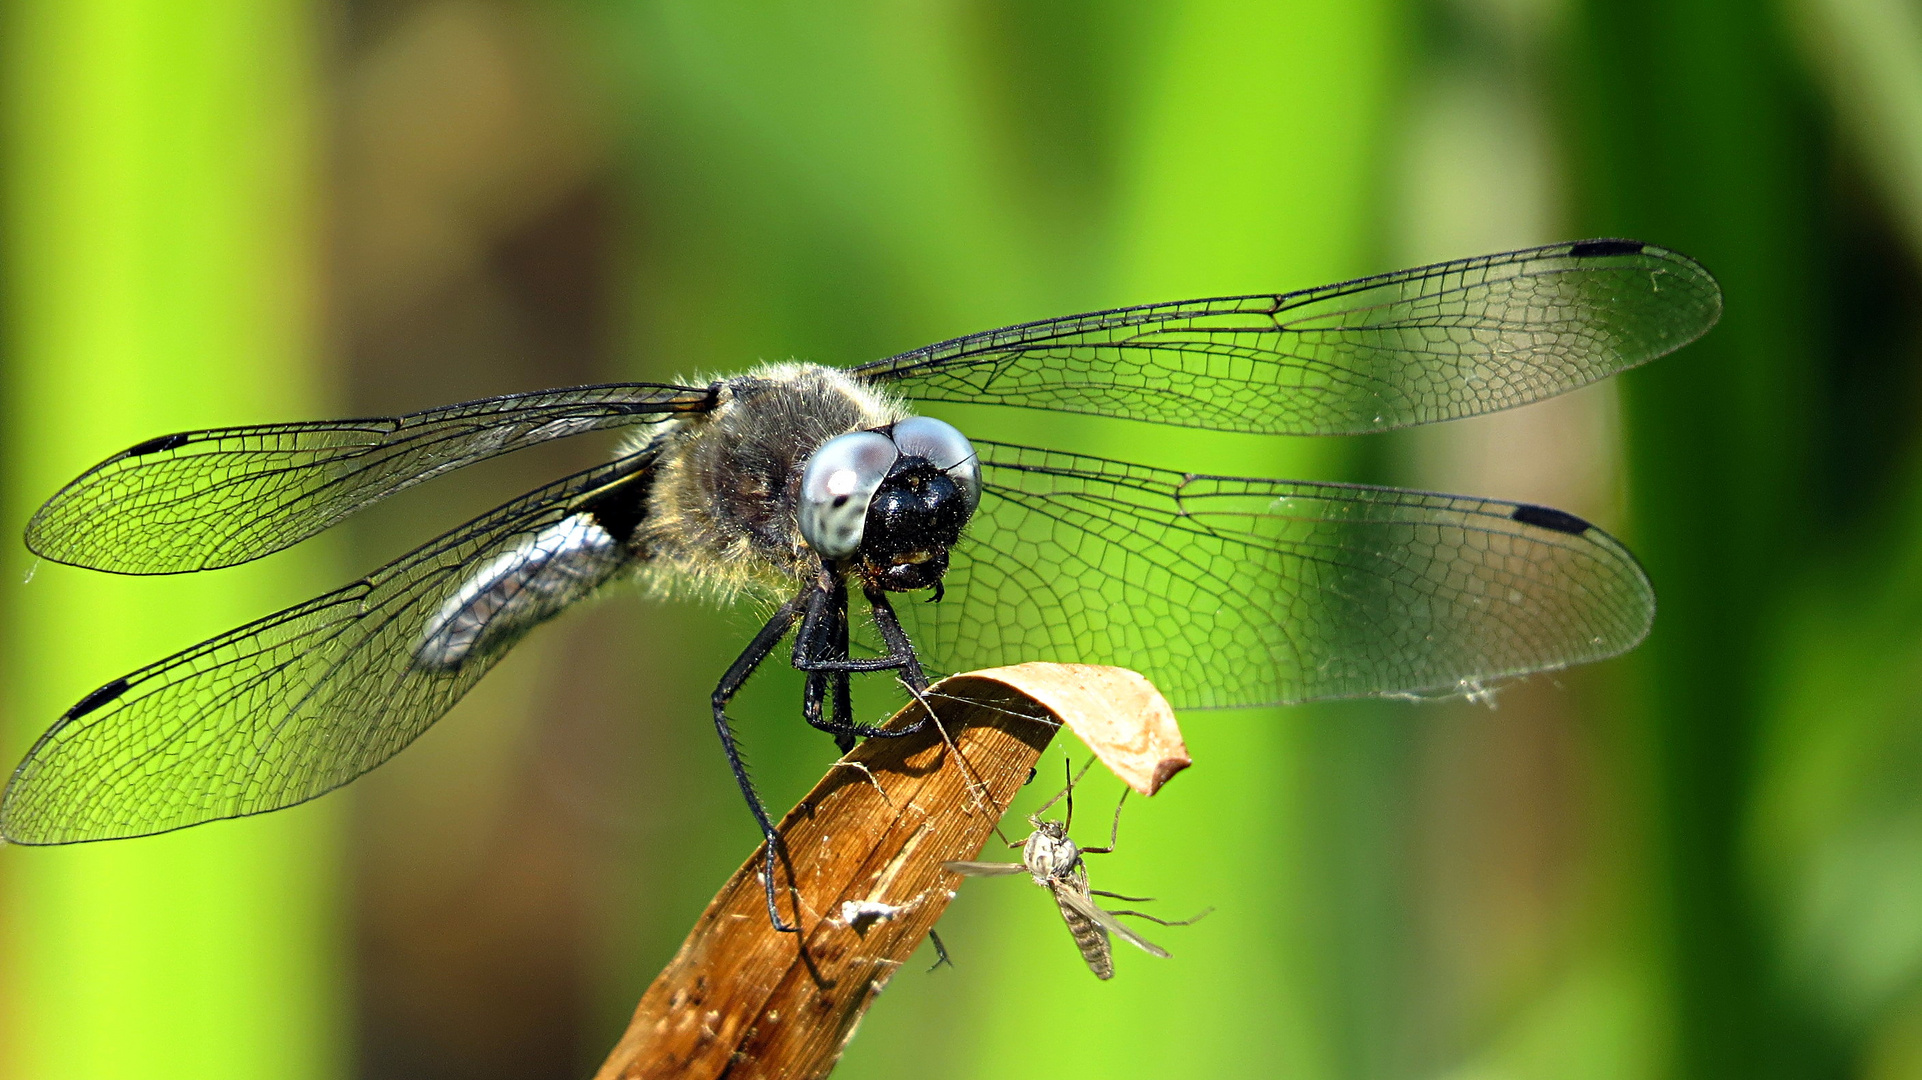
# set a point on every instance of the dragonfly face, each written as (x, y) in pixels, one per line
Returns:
(809, 485)
(893, 499)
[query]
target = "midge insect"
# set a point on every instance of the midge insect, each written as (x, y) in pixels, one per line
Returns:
(804, 485)
(1054, 862)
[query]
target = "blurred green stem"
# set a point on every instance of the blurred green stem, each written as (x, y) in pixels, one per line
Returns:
(1690, 135)
(159, 265)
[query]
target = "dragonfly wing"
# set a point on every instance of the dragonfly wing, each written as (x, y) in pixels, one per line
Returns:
(298, 703)
(1413, 347)
(200, 500)
(1227, 591)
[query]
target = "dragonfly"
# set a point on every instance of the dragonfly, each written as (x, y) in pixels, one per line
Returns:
(798, 485)
(1055, 863)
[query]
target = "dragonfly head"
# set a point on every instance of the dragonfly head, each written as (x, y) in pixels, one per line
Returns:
(893, 499)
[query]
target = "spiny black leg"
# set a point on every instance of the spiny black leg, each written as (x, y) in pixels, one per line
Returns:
(896, 639)
(843, 696)
(815, 691)
(826, 628)
(815, 639)
(814, 645)
(731, 683)
(820, 650)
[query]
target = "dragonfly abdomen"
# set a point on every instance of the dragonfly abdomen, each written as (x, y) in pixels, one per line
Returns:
(520, 589)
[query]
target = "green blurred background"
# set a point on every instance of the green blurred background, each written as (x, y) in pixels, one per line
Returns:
(1701, 861)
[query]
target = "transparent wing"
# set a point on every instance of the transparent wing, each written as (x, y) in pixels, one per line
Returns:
(1082, 905)
(201, 500)
(1228, 591)
(1434, 343)
(984, 869)
(285, 708)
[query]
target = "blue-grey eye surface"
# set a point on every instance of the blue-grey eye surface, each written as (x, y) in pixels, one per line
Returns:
(943, 444)
(837, 487)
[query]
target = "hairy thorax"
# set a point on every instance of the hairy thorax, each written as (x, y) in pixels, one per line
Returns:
(722, 509)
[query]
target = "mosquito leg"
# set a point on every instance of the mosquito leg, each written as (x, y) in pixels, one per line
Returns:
(1202, 914)
(731, 683)
(1114, 832)
(1067, 764)
(916, 681)
(1067, 823)
(1118, 896)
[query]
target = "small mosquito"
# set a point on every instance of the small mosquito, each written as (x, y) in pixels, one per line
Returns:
(1054, 861)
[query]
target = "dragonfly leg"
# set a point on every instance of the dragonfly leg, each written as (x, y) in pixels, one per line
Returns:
(824, 633)
(814, 646)
(731, 683)
(896, 639)
(830, 604)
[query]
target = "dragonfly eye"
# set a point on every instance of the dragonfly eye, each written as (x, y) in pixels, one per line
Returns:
(947, 448)
(837, 487)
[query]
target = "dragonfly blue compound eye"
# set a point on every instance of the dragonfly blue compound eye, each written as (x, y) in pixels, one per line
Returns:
(950, 451)
(836, 488)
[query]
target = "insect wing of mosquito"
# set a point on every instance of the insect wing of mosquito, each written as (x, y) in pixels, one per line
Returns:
(1082, 905)
(984, 869)
(1090, 935)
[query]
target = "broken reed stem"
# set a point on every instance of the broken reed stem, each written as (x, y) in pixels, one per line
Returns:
(866, 847)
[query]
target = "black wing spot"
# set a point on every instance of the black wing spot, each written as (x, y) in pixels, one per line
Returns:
(1547, 517)
(165, 442)
(1587, 249)
(98, 698)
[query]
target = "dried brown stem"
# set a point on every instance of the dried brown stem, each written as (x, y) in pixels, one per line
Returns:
(866, 846)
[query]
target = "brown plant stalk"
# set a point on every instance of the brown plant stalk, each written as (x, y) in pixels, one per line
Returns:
(865, 848)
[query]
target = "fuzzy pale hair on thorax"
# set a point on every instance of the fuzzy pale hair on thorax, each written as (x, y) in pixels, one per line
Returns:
(693, 552)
